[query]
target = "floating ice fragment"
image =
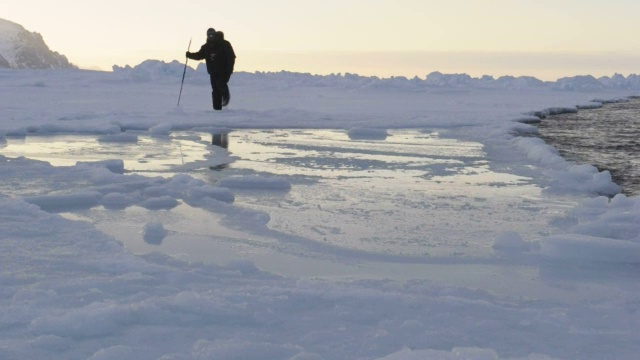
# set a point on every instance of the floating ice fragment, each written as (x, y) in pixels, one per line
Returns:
(118, 138)
(115, 166)
(60, 203)
(119, 201)
(207, 191)
(160, 129)
(454, 354)
(114, 352)
(255, 183)
(158, 203)
(245, 267)
(51, 343)
(510, 242)
(367, 134)
(154, 233)
(586, 248)
(307, 356)
(17, 133)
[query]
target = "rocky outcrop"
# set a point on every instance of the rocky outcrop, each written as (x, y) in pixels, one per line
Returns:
(21, 49)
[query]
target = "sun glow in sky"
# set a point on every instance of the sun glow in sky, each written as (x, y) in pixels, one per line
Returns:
(542, 38)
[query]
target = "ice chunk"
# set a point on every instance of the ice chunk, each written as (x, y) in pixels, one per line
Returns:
(510, 242)
(118, 201)
(114, 352)
(586, 248)
(118, 138)
(367, 134)
(255, 182)
(154, 233)
(160, 129)
(115, 166)
(60, 203)
(158, 203)
(207, 191)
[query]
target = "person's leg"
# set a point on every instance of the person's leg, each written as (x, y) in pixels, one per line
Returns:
(216, 95)
(226, 94)
(223, 90)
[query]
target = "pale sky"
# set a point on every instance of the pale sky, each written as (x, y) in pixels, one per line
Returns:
(383, 37)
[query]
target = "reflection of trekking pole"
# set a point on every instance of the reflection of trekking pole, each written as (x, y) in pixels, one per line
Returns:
(184, 73)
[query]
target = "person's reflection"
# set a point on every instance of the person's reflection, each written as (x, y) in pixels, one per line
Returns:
(221, 140)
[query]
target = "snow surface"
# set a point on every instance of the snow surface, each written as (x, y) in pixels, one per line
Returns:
(423, 220)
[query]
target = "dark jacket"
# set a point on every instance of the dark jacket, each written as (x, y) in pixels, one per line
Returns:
(219, 56)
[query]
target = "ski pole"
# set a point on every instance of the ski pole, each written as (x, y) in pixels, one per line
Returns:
(184, 73)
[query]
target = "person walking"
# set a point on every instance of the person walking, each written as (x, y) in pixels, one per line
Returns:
(220, 59)
(226, 66)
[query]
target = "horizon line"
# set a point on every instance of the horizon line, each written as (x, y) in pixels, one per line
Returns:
(546, 66)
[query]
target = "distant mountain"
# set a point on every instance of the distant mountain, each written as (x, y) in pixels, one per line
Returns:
(21, 49)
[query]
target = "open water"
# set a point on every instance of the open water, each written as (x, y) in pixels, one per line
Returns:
(608, 138)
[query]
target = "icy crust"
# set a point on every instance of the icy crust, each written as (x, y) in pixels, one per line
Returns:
(567, 176)
(70, 292)
(600, 230)
(495, 116)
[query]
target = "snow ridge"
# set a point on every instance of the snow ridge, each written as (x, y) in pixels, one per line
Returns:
(154, 70)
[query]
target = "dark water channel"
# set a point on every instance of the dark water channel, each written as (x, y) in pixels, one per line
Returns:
(608, 138)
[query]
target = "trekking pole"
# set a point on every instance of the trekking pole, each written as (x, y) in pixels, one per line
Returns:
(184, 72)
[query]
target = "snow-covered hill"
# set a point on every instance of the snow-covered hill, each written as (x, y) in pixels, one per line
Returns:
(21, 49)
